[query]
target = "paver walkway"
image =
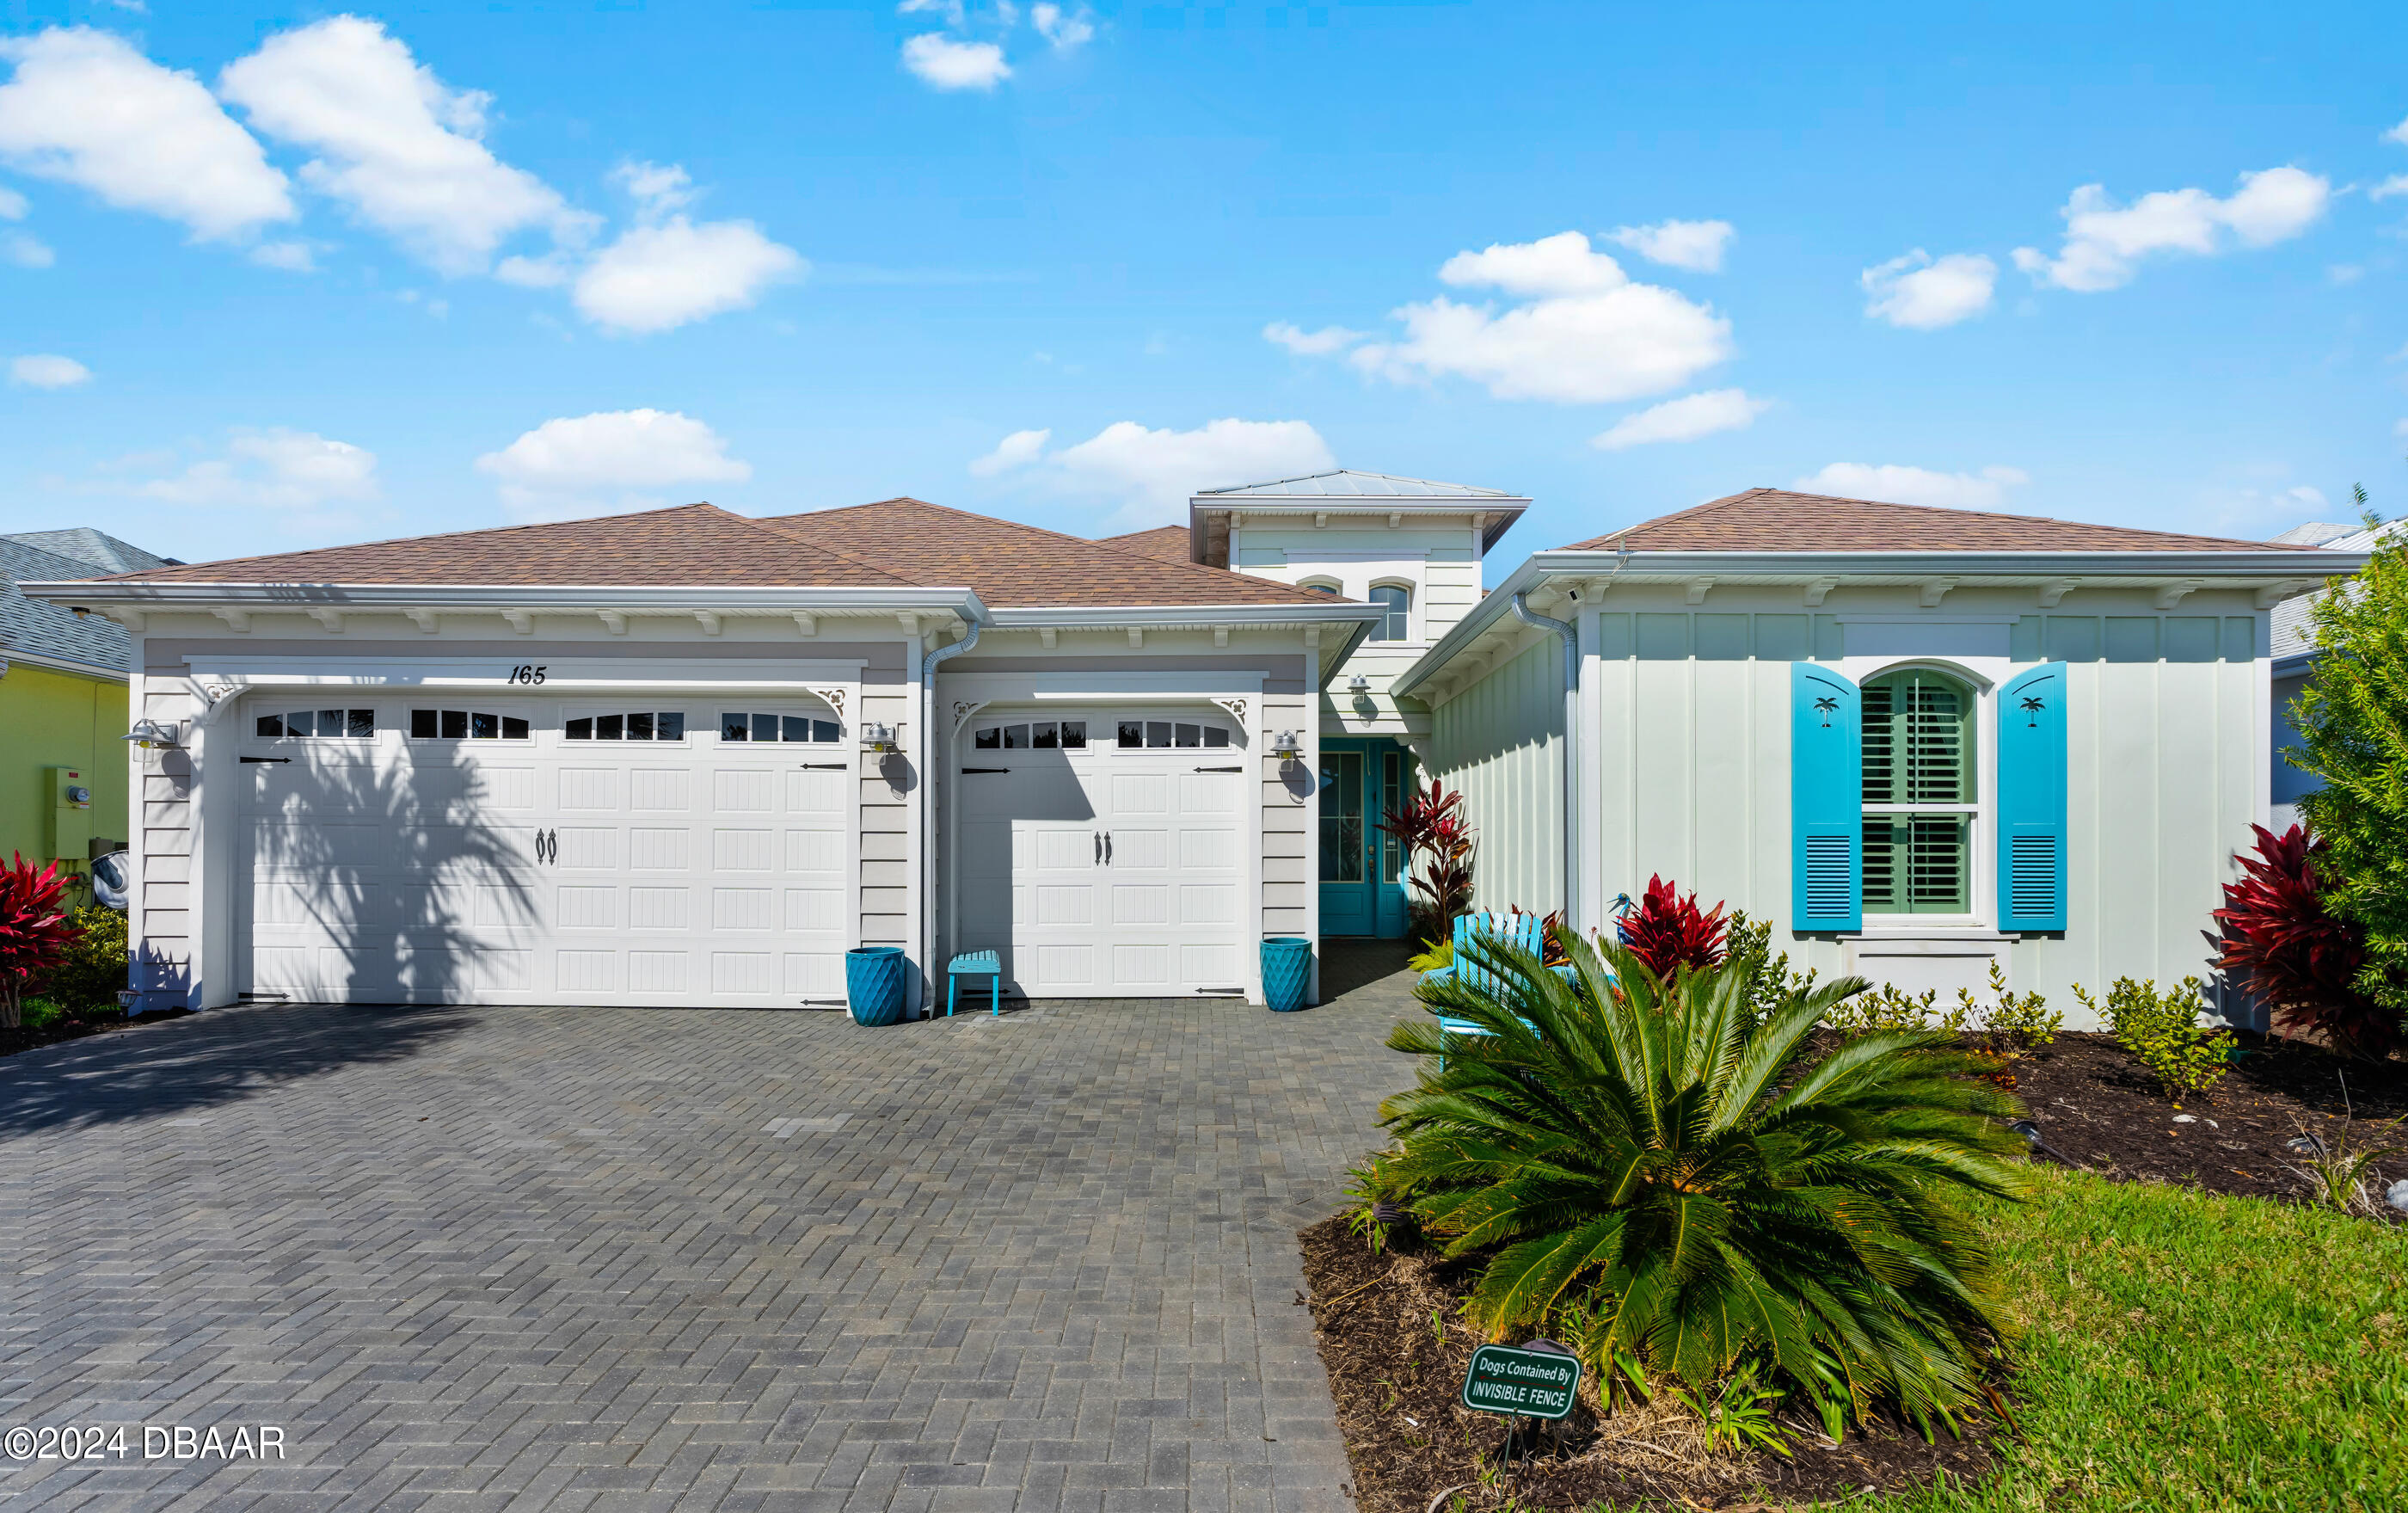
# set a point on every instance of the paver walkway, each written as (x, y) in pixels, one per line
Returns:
(627, 1259)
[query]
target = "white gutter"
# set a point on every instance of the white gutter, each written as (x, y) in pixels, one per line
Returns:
(1353, 619)
(1569, 635)
(2292, 571)
(202, 595)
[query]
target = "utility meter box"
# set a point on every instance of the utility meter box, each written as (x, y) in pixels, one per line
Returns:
(69, 831)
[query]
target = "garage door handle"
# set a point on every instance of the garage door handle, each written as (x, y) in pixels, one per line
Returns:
(1220, 769)
(824, 767)
(967, 770)
(547, 850)
(249, 760)
(1107, 848)
(1100, 847)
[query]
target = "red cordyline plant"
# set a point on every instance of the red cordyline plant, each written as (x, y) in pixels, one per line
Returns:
(1431, 825)
(2276, 937)
(34, 933)
(1669, 932)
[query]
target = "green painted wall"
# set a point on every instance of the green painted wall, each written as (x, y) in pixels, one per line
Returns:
(49, 718)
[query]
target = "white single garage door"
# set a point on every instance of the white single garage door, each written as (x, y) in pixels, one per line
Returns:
(453, 848)
(1104, 856)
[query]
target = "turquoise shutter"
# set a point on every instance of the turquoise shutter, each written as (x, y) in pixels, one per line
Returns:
(2031, 800)
(1825, 799)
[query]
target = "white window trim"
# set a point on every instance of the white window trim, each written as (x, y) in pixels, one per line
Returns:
(1985, 675)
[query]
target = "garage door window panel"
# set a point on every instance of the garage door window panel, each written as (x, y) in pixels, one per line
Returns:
(466, 725)
(632, 725)
(757, 726)
(318, 724)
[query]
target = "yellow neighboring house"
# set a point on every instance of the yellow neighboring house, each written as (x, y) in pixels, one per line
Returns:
(63, 710)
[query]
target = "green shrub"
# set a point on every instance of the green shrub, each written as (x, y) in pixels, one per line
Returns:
(41, 1014)
(2015, 1024)
(1748, 950)
(1433, 958)
(1677, 1189)
(2161, 1031)
(92, 968)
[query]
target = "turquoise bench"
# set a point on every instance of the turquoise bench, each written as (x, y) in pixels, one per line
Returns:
(986, 964)
(1525, 931)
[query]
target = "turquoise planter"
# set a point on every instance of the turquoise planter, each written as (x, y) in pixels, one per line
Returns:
(1287, 967)
(873, 984)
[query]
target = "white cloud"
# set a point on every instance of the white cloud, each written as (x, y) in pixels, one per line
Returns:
(395, 143)
(1151, 473)
(46, 370)
(88, 110)
(950, 9)
(1563, 264)
(1061, 28)
(656, 277)
(1305, 343)
(1894, 485)
(273, 470)
(1592, 337)
(582, 463)
(26, 250)
(1018, 450)
(1684, 419)
(2104, 242)
(2398, 133)
(1696, 245)
(656, 189)
(2396, 184)
(13, 204)
(1923, 294)
(950, 65)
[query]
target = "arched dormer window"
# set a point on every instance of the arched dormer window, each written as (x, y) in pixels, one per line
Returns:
(1921, 797)
(1321, 586)
(1396, 624)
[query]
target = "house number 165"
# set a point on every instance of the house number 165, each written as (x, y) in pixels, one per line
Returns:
(527, 672)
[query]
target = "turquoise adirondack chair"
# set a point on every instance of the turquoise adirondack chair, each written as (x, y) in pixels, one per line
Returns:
(1522, 930)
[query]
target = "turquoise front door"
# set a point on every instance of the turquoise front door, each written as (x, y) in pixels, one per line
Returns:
(1362, 870)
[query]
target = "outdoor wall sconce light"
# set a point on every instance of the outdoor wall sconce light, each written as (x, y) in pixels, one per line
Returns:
(151, 736)
(878, 737)
(1288, 747)
(1358, 683)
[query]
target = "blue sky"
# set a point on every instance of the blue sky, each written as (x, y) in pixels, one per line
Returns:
(279, 278)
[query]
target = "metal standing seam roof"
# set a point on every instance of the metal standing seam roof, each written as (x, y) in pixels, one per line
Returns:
(35, 627)
(2292, 629)
(1348, 484)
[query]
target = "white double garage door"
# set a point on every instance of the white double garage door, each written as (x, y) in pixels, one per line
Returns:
(451, 848)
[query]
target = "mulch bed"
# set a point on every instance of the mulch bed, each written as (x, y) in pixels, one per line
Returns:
(2098, 1109)
(1395, 1372)
(13, 1040)
(1396, 1353)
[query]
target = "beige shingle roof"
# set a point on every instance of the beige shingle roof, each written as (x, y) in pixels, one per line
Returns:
(1779, 520)
(1010, 565)
(1166, 543)
(698, 545)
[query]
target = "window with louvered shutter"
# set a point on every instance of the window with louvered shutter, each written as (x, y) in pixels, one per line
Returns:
(1919, 792)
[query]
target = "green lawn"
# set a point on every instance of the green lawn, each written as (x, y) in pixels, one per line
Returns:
(2197, 1352)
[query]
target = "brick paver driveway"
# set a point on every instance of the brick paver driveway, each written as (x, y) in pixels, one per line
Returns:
(629, 1259)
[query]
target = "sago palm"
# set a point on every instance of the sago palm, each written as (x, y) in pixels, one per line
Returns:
(1653, 1170)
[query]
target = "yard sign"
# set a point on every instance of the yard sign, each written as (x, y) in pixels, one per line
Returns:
(1536, 1383)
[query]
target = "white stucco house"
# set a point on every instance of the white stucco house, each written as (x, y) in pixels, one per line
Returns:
(691, 758)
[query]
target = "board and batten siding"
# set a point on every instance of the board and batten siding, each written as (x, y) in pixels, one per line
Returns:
(1684, 769)
(171, 874)
(1501, 742)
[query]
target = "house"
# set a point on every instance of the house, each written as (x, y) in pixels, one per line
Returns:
(1918, 741)
(2294, 655)
(687, 757)
(62, 680)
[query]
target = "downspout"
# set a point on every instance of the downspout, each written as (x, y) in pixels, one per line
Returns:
(932, 749)
(1570, 638)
